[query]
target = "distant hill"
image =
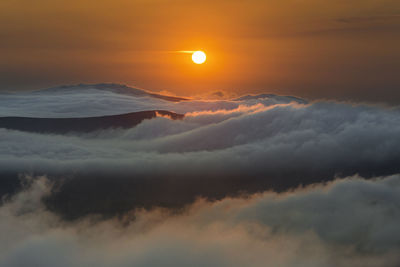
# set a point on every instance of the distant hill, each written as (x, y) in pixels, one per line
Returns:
(283, 99)
(78, 125)
(111, 87)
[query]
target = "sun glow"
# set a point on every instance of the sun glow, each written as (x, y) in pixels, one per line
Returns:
(199, 57)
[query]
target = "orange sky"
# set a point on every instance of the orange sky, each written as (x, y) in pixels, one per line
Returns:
(333, 49)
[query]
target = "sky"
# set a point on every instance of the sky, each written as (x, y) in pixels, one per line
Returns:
(346, 50)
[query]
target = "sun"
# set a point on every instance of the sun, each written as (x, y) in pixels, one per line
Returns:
(199, 57)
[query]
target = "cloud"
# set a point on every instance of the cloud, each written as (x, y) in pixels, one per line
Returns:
(109, 99)
(246, 182)
(311, 226)
(220, 148)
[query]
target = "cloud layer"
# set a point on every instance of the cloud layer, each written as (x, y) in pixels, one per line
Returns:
(219, 149)
(247, 182)
(349, 222)
(87, 100)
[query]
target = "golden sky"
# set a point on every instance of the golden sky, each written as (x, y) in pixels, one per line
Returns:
(345, 49)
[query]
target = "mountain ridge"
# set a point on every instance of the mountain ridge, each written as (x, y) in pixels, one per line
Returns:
(82, 124)
(115, 88)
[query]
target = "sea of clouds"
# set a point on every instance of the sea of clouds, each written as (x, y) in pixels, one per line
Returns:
(251, 138)
(255, 180)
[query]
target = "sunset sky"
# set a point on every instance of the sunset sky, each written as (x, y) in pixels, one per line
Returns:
(348, 50)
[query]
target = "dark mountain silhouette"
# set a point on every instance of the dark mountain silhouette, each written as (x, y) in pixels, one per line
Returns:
(89, 124)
